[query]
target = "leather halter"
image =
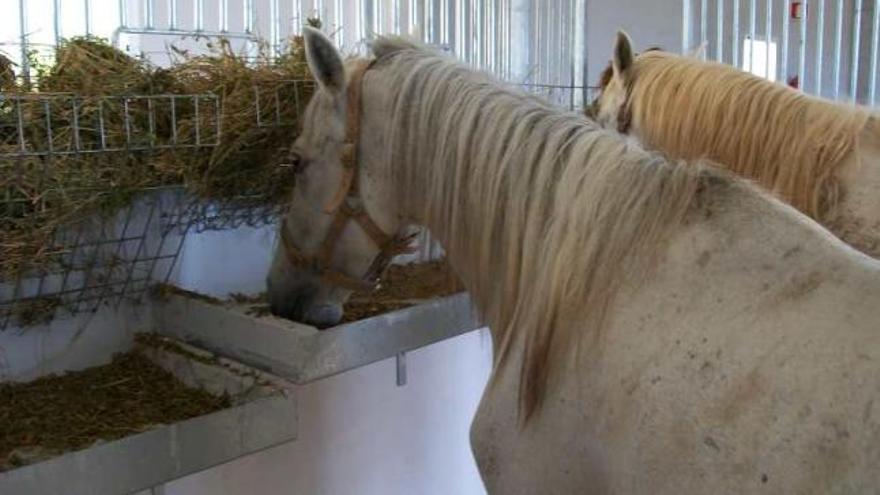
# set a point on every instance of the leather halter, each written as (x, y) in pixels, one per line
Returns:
(345, 206)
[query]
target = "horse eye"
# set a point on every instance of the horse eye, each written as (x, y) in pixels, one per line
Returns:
(295, 161)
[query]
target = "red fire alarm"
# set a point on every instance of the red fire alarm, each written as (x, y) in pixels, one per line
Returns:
(797, 10)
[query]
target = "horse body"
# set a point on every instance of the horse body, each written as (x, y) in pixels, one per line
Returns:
(818, 155)
(738, 352)
(747, 364)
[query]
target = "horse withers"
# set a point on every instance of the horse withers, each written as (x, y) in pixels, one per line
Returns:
(658, 326)
(822, 157)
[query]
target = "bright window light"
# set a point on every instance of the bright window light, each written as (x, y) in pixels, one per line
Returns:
(759, 58)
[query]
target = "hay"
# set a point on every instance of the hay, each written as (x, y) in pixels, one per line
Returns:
(41, 194)
(58, 414)
(401, 286)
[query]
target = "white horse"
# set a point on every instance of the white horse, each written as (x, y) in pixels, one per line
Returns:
(658, 327)
(823, 157)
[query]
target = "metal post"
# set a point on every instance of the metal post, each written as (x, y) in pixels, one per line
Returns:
(149, 13)
(820, 37)
(719, 36)
(875, 38)
(123, 13)
(704, 20)
(838, 42)
(87, 11)
(172, 14)
(401, 369)
(783, 67)
(199, 15)
(56, 20)
(686, 24)
(23, 39)
(802, 49)
(856, 41)
(735, 47)
(752, 11)
(768, 31)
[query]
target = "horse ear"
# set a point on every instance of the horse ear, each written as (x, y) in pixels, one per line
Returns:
(324, 61)
(699, 52)
(623, 55)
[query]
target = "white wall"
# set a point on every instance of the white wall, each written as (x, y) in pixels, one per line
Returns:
(361, 434)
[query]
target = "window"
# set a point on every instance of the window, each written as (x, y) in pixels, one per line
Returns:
(759, 58)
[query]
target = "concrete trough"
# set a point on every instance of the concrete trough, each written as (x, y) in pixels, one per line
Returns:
(263, 415)
(302, 353)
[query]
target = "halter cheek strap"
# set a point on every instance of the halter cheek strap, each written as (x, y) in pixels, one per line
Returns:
(345, 206)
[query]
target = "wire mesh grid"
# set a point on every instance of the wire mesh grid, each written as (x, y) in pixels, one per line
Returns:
(101, 259)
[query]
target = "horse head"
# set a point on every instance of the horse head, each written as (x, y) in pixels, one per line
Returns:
(338, 234)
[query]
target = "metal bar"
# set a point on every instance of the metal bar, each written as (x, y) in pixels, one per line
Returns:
(149, 13)
(838, 47)
(768, 31)
(719, 36)
(248, 16)
(87, 12)
(704, 20)
(198, 125)
(735, 28)
(856, 41)
(786, 28)
(20, 124)
(802, 47)
(401, 369)
(752, 11)
(199, 16)
(49, 138)
(875, 38)
(820, 38)
(686, 25)
(23, 39)
(137, 255)
(56, 20)
(172, 14)
(274, 26)
(77, 143)
(123, 13)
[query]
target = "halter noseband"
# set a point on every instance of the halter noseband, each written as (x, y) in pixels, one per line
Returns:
(345, 206)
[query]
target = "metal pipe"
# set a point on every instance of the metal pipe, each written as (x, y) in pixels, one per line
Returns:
(802, 48)
(735, 29)
(875, 38)
(248, 16)
(23, 39)
(856, 41)
(123, 13)
(172, 14)
(686, 24)
(820, 37)
(752, 11)
(274, 27)
(768, 31)
(224, 15)
(786, 28)
(148, 13)
(56, 20)
(838, 42)
(704, 20)
(87, 11)
(199, 16)
(719, 36)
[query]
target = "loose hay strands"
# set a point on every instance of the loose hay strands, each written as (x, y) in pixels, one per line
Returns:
(92, 100)
(57, 414)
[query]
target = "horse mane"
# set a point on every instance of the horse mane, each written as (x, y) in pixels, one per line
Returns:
(544, 215)
(788, 141)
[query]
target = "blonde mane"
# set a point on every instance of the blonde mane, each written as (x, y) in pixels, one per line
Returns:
(789, 142)
(543, 215)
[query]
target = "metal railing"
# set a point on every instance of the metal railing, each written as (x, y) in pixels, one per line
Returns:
(826, 48)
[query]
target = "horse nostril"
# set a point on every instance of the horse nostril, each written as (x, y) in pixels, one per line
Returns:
(324, 315)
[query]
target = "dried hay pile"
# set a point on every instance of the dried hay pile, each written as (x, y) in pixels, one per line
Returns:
(92, 99)
(57, 414)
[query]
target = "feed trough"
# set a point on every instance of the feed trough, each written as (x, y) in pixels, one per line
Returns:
(260, 412)
(302, 353)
